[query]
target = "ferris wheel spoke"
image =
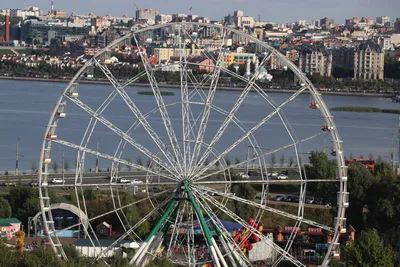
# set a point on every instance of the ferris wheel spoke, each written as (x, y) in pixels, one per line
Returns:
(257, 157)
(186, 125)
(207, 105)
(229, 118)
(266, 208)
(133, 228)
(255, 232)
(138, 114)
(160, 103)
(122, 134)
(251, 131)
(113, 159)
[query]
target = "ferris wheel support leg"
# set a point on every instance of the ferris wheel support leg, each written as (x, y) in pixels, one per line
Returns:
(209, 238)
(220, 236)
(146, 243)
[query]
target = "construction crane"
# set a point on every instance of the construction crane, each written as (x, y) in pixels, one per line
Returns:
(137, 8)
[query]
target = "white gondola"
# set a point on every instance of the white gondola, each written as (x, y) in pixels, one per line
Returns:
(61, 114)
(52, 136)
(73, 94)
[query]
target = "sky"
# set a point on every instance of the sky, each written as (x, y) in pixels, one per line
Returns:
(279, 11)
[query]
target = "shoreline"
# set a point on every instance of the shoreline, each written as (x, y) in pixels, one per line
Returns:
(173, 86)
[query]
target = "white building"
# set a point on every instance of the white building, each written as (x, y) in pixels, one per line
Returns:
(384, 20)
(163, 19)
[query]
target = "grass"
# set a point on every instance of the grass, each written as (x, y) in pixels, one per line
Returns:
(366, 109)
(163, 93)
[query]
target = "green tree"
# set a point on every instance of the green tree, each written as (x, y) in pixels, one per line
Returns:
(273, 160)
(34, 166)
(66, 165)
(139, 161)
(206, 162)
(5, 208)
(54, 166)
(282, 159)
(228, 161)
(369, 250)
(128, 166)
(161, 261)
(217, 164)
(237, 160)
(321, 167)
(291, 162)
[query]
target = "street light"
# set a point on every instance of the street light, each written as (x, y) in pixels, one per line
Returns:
(248, 155)
(97, 156)
(62, 163)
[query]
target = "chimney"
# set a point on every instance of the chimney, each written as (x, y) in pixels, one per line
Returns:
(7, 29)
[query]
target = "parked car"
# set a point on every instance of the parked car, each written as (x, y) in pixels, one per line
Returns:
(245, 176)
(310, 200)
(254, 173)
(134, 181)
(282, 177)
(272, 174)
(295, 199)
(277, 198)
(288, 199)
(124, 181)
(57, 181)
(10, 184)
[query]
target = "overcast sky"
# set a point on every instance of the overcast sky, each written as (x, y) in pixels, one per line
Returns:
(269, 10)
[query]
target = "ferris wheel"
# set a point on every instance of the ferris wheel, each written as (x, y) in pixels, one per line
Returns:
(199, 150)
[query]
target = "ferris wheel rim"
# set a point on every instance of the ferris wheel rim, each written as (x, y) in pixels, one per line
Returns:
(310, 87)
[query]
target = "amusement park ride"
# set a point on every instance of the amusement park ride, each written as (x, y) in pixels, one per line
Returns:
(187, 140)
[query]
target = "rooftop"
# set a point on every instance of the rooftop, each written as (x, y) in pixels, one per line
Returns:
(9, 221)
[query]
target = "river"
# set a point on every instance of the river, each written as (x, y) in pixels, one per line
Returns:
(25, 108)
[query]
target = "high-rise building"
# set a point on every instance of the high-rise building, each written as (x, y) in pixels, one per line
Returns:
(7, 29)
(384, 20)
(316, 60)
(163, 19)
(350, 23)
(146, 14)
(397, 25)
(325, 23)
(369, 62)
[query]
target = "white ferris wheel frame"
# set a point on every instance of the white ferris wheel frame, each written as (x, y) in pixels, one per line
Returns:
(178, 170)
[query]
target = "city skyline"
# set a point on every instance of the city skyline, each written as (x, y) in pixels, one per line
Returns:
(292, 10)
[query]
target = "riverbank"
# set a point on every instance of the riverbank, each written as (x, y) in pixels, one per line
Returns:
(366, 109)
(174, 86)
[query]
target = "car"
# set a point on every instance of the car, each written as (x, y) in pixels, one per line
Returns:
(282, 177)
(272, 174)
(10, 184)
(124, 180)
(57, 181)
(295, 199)
(254, 173)
(310, 200)
(288, 199)
(134, 181)
(277, 198)
(245, 176)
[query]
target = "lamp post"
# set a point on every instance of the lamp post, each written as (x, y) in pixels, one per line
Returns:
(248, 156)
(97, 157)
(17, 158)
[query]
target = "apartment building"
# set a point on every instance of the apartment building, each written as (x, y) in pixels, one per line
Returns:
(369, 62)
(316, 60)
